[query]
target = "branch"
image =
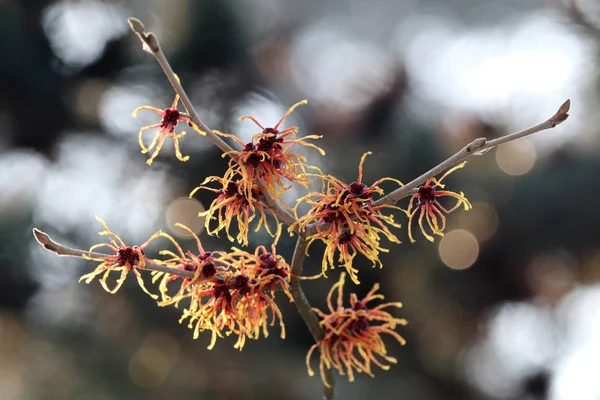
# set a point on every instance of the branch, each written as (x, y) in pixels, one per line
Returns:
(476, 147)
(300, 300)
(152, 45)
(305, 309)
(60, 250)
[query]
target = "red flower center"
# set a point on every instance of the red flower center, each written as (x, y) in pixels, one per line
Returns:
(270, 142)
(254, 160)
(232, 189)
(427, 194)
(221, 289)
(345, 238)
(357, 188)
(170, 118)
(270, 264)
(128, 256)
(209, 269)
(359, 325)
(241, 284)
(268, 260)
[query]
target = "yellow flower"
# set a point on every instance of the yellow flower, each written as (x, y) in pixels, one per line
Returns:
(428, 205)
(232, 203)
(267, 158)
(267, 272)
(204, 265)
(352, 339)
(365, 240)
(170, 118)
(347, 220)
(124, 260)
(238, 298)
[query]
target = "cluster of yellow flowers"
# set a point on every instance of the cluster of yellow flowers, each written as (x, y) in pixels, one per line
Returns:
(227, 292)
(233, 292)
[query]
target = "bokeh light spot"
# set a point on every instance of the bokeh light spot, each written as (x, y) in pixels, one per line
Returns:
(160, 346)
(482, 221)
(185, 211)
(78, 31)
(549, 277)
(459, 249)
(144, 375)
(516, 158)
(577, 375)
(149, 366)
(21, 174)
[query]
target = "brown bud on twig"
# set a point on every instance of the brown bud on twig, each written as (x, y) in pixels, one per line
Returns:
(44, 240)
(476, 145)
(562, 114)
(136, 25)
(149, 41)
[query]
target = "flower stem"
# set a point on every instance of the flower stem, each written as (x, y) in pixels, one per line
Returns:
(477, 147)
(305, 309)
(61, 250)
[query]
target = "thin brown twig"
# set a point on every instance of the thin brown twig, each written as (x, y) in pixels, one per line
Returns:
(477, 147)
(305, 309)
(61, 250)
(300, 300)
(152, 45)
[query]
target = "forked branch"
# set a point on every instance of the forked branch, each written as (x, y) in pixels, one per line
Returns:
(152, 46)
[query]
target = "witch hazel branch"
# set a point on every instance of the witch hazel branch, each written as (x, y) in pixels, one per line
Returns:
(223, 293)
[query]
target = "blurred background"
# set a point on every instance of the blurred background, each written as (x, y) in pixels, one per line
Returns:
(505, 306)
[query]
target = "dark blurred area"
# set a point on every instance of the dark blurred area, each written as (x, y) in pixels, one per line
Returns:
(505, 306)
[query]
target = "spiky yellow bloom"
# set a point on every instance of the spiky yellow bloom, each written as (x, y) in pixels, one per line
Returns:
(237, 302)
(268, 272)
(348, 221)
(204, 265)
(124, 260)
(352, 339)
(170, 118)
(230, 293)
(268, 159)
(427, 203)
(214, 307)
(365, 240)
(232, 203)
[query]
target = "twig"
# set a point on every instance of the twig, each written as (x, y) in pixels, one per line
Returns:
(152, 45)
(60, 250)
(305, 309)
(476, 147)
